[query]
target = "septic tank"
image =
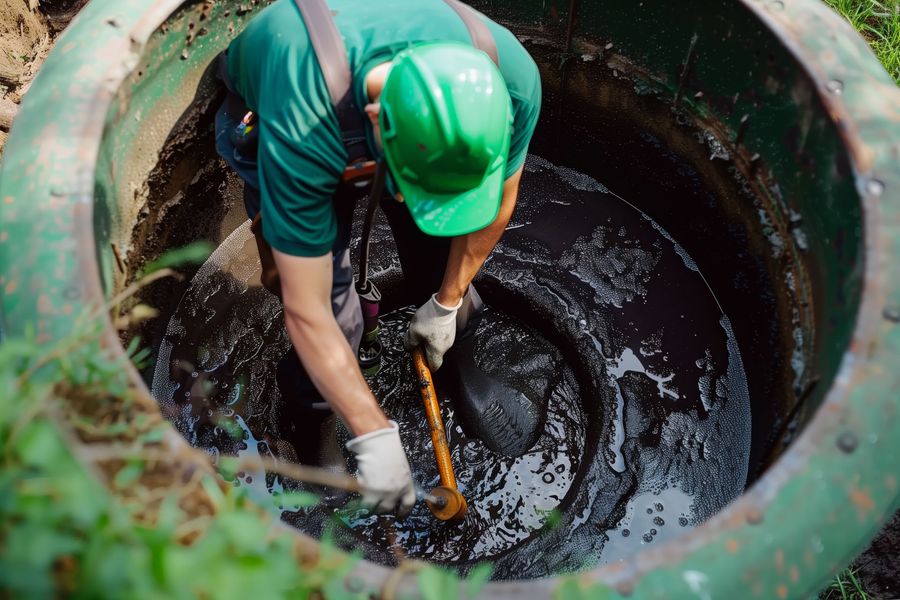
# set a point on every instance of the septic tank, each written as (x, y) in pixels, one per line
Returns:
(763, 135)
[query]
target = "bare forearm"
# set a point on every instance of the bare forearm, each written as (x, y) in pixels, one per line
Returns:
(320, 343)
(467, 255)
(468, 252)
(334, 371)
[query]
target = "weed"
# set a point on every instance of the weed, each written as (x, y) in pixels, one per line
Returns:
(846, 586)
(93, 504)
(86, 509)
(879, 22)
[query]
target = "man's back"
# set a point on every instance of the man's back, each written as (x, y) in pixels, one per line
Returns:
(274, 68)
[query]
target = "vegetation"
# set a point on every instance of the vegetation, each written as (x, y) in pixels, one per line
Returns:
(89, 507)
(845, 586)
(879, 22)
(62, 533)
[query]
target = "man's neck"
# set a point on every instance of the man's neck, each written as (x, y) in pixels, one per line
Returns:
(375, 79)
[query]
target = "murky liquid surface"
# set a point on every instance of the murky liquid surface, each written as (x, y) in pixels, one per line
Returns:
(648, 424)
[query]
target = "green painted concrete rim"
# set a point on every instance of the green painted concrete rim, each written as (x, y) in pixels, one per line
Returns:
(46, 197)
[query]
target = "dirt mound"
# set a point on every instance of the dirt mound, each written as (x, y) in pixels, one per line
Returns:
(23, 35)
(27, 33)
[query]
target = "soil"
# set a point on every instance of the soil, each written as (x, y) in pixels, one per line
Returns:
(28, 30)
(878, 568)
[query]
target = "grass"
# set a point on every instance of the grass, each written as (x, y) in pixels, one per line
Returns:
(878, 21)
(846, 586)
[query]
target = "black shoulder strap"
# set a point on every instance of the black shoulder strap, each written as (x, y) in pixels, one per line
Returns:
(478, 31)
(332, 55)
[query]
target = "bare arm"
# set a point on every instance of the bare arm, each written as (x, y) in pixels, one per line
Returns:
(320, 344)
(468, 252)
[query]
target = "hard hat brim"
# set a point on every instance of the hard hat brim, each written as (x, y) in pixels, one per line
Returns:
(449, 215)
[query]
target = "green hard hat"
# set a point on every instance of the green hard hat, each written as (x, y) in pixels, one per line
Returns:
(445, 124)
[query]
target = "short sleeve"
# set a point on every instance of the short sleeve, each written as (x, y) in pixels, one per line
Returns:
(523, 80)
(299, 169)
(301, 156)
(525, 118)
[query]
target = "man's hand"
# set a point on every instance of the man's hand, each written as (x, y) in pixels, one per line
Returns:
(434, 324)
(434, 327)
(384, 471)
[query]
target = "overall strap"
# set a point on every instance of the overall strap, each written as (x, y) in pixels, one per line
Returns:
(332, 55)
(478, 31)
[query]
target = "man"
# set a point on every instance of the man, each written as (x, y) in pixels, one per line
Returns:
(453, 130)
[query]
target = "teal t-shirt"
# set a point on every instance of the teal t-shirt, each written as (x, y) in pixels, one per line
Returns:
(301, 156)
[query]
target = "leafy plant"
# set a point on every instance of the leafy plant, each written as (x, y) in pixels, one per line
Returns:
(194, 253)
(86, 510)
(63, 534)
(437, 583)
(573, 589)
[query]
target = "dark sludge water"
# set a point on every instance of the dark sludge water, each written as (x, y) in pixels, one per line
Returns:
(592, 305)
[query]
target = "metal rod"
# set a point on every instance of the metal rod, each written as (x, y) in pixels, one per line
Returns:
(688, 64)
(374, 196)
(570, 24)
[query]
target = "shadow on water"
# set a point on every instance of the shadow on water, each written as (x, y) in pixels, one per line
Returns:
(590, 302)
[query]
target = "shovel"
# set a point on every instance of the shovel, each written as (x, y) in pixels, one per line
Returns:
(445, 501)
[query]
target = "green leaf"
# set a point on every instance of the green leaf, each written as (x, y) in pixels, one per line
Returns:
(228, 467)
(169, 513)
(194, 253)
(230, 427)
(128, 474)
(243, 529)
(86, 501)
(477, 578)
(438, 584)
(212, 489)
(39, 446)
(295, 500)
(572, 589)
(155, 435)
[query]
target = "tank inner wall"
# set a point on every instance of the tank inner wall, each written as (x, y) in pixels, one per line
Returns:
(603, 115)
(610, 112)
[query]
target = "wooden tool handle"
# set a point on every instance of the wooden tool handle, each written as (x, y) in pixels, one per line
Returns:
(433, 411)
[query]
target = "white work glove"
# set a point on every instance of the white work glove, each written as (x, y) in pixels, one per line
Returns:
(434, 327)
(384, 471)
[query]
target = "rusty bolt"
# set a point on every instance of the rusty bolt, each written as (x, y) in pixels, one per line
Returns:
(835, 86)
(892, 314)
(874, 188)
(847, 442)
(625, 588)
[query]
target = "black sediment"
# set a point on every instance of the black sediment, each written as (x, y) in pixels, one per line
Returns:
(594, 310)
